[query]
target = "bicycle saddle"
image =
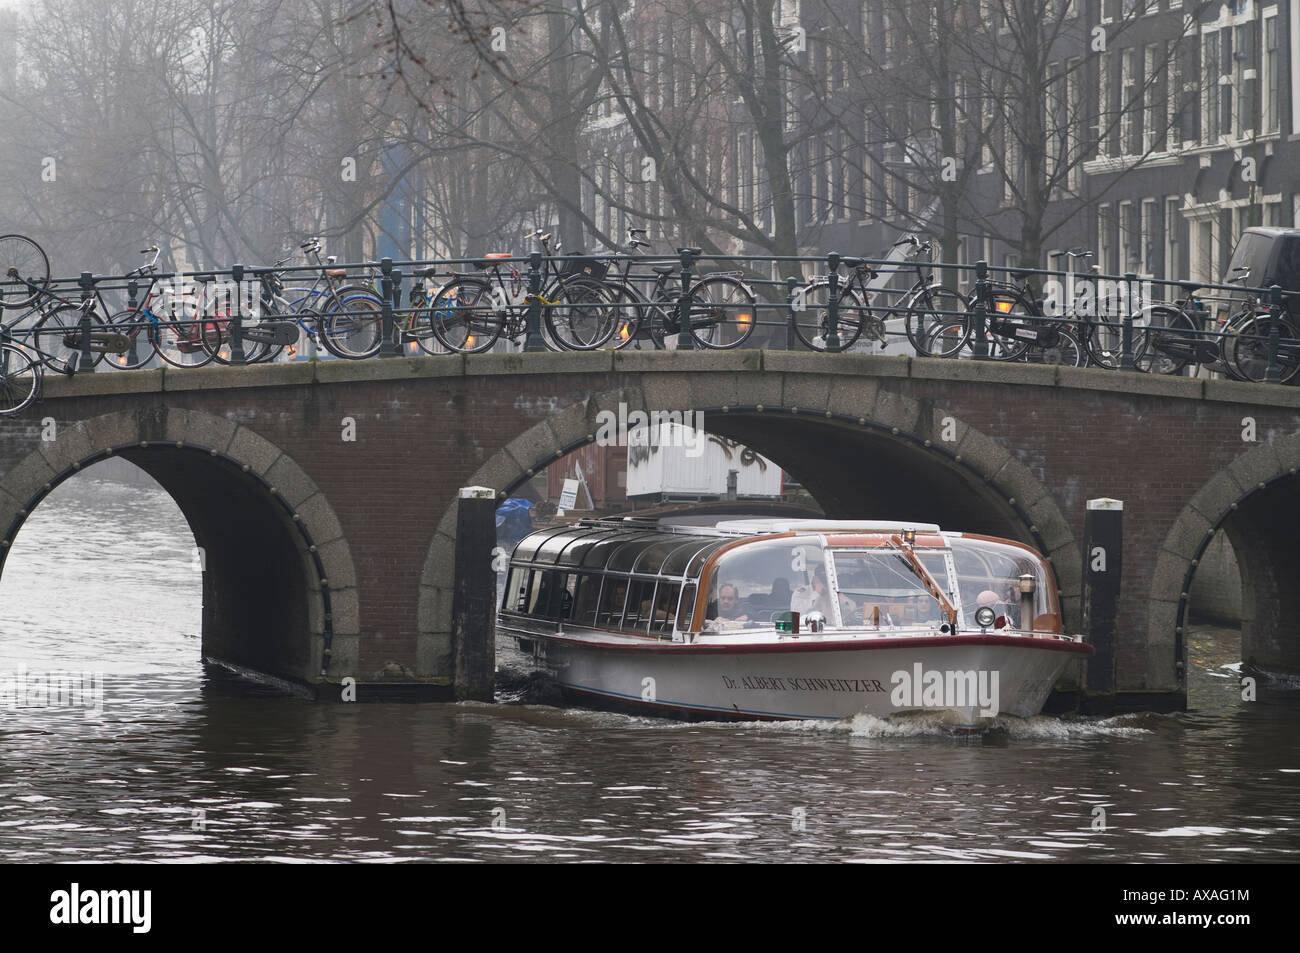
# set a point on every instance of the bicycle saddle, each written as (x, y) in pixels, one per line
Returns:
(663, 269)
(853, 262)
(688, 251)
(425, 272)
(1018, 275)
(204, 278)
(336, 272)
(1190, 287)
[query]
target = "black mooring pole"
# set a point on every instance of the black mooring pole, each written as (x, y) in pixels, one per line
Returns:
(472, 611)
(1103, 539)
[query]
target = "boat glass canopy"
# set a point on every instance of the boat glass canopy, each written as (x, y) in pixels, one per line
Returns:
(632, 577)
(641, 577)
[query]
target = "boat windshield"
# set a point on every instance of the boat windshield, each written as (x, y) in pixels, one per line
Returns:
(754, 583)
(879, 588)
(989, 572)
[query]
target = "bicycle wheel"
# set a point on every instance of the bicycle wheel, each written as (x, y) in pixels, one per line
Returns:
(812, 324)
(1103, 340)
(56, 337)
(464, 316)
(945, 340)
(1230, 332)
(354, 323)
(721, 312)
(937, 308)
(20, 379)
(633, 311)
(931, 306)
(187, 342)
(1066, 352)
(24, 271)
(1166, 343)
(138, 329)
(255, 352)
(586, 316)
(1251, 347)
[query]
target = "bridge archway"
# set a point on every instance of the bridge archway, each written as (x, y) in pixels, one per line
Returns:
(1255, 500)
(279, 589)
(862, 451)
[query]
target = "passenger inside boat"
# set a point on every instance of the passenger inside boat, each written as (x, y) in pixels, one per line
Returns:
(815, 596)
(727, 608)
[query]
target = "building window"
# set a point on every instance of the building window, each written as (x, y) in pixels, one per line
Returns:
(1270, 78)
(1210, 86)
(1103, 107)
(1104, 240)
(1073, 115)
(1150, 235)
(1173, 93)
(1206, 251)
(1129, 239)
(1243, 79)
(1152, 133)
(1173, 251)
(1129, 103)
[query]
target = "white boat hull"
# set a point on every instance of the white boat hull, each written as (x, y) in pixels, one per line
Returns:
(970, 678)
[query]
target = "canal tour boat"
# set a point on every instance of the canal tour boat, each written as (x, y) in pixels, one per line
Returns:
(789, 619)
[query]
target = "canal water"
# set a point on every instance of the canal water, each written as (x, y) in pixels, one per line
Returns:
(186, 763)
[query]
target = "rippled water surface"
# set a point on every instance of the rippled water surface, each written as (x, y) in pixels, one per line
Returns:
(189, 764)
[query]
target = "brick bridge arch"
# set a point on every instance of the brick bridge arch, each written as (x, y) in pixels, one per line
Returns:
(862, 452)
(263, 527)
(1254, 500)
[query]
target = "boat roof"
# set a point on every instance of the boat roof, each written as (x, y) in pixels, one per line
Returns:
(779, 525)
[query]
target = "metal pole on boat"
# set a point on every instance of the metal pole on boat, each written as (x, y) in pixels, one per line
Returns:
(472, 635)
(1103, 538)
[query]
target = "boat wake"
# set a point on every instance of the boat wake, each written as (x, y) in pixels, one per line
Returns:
(936, 725)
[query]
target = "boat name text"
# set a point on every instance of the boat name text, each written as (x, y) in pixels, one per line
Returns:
(762, 683)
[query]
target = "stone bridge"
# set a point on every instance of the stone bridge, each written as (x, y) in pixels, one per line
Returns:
(324, 494)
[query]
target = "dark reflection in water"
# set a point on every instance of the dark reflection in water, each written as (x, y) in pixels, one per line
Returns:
(188, 764)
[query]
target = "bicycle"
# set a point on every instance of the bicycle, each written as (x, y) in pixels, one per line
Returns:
(22, 375)
(925, 305)
(56, 332)
(24, 265)
(854, 318)
(1178, 335)
(350, 317)
(1102, 341)
(470, 313)
(720, 306)
(178, 342)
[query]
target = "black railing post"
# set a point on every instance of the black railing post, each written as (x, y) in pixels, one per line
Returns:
(399, 336)
(791, 291)
(132, 303)
(1126, 331)
(684, 303)
(534, 340)
(237, 355)
(87, 283)
(833, 302)
(981, 348)
(1273, 374)
(387, 346)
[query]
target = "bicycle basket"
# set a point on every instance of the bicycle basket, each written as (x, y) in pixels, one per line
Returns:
(591, 267)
